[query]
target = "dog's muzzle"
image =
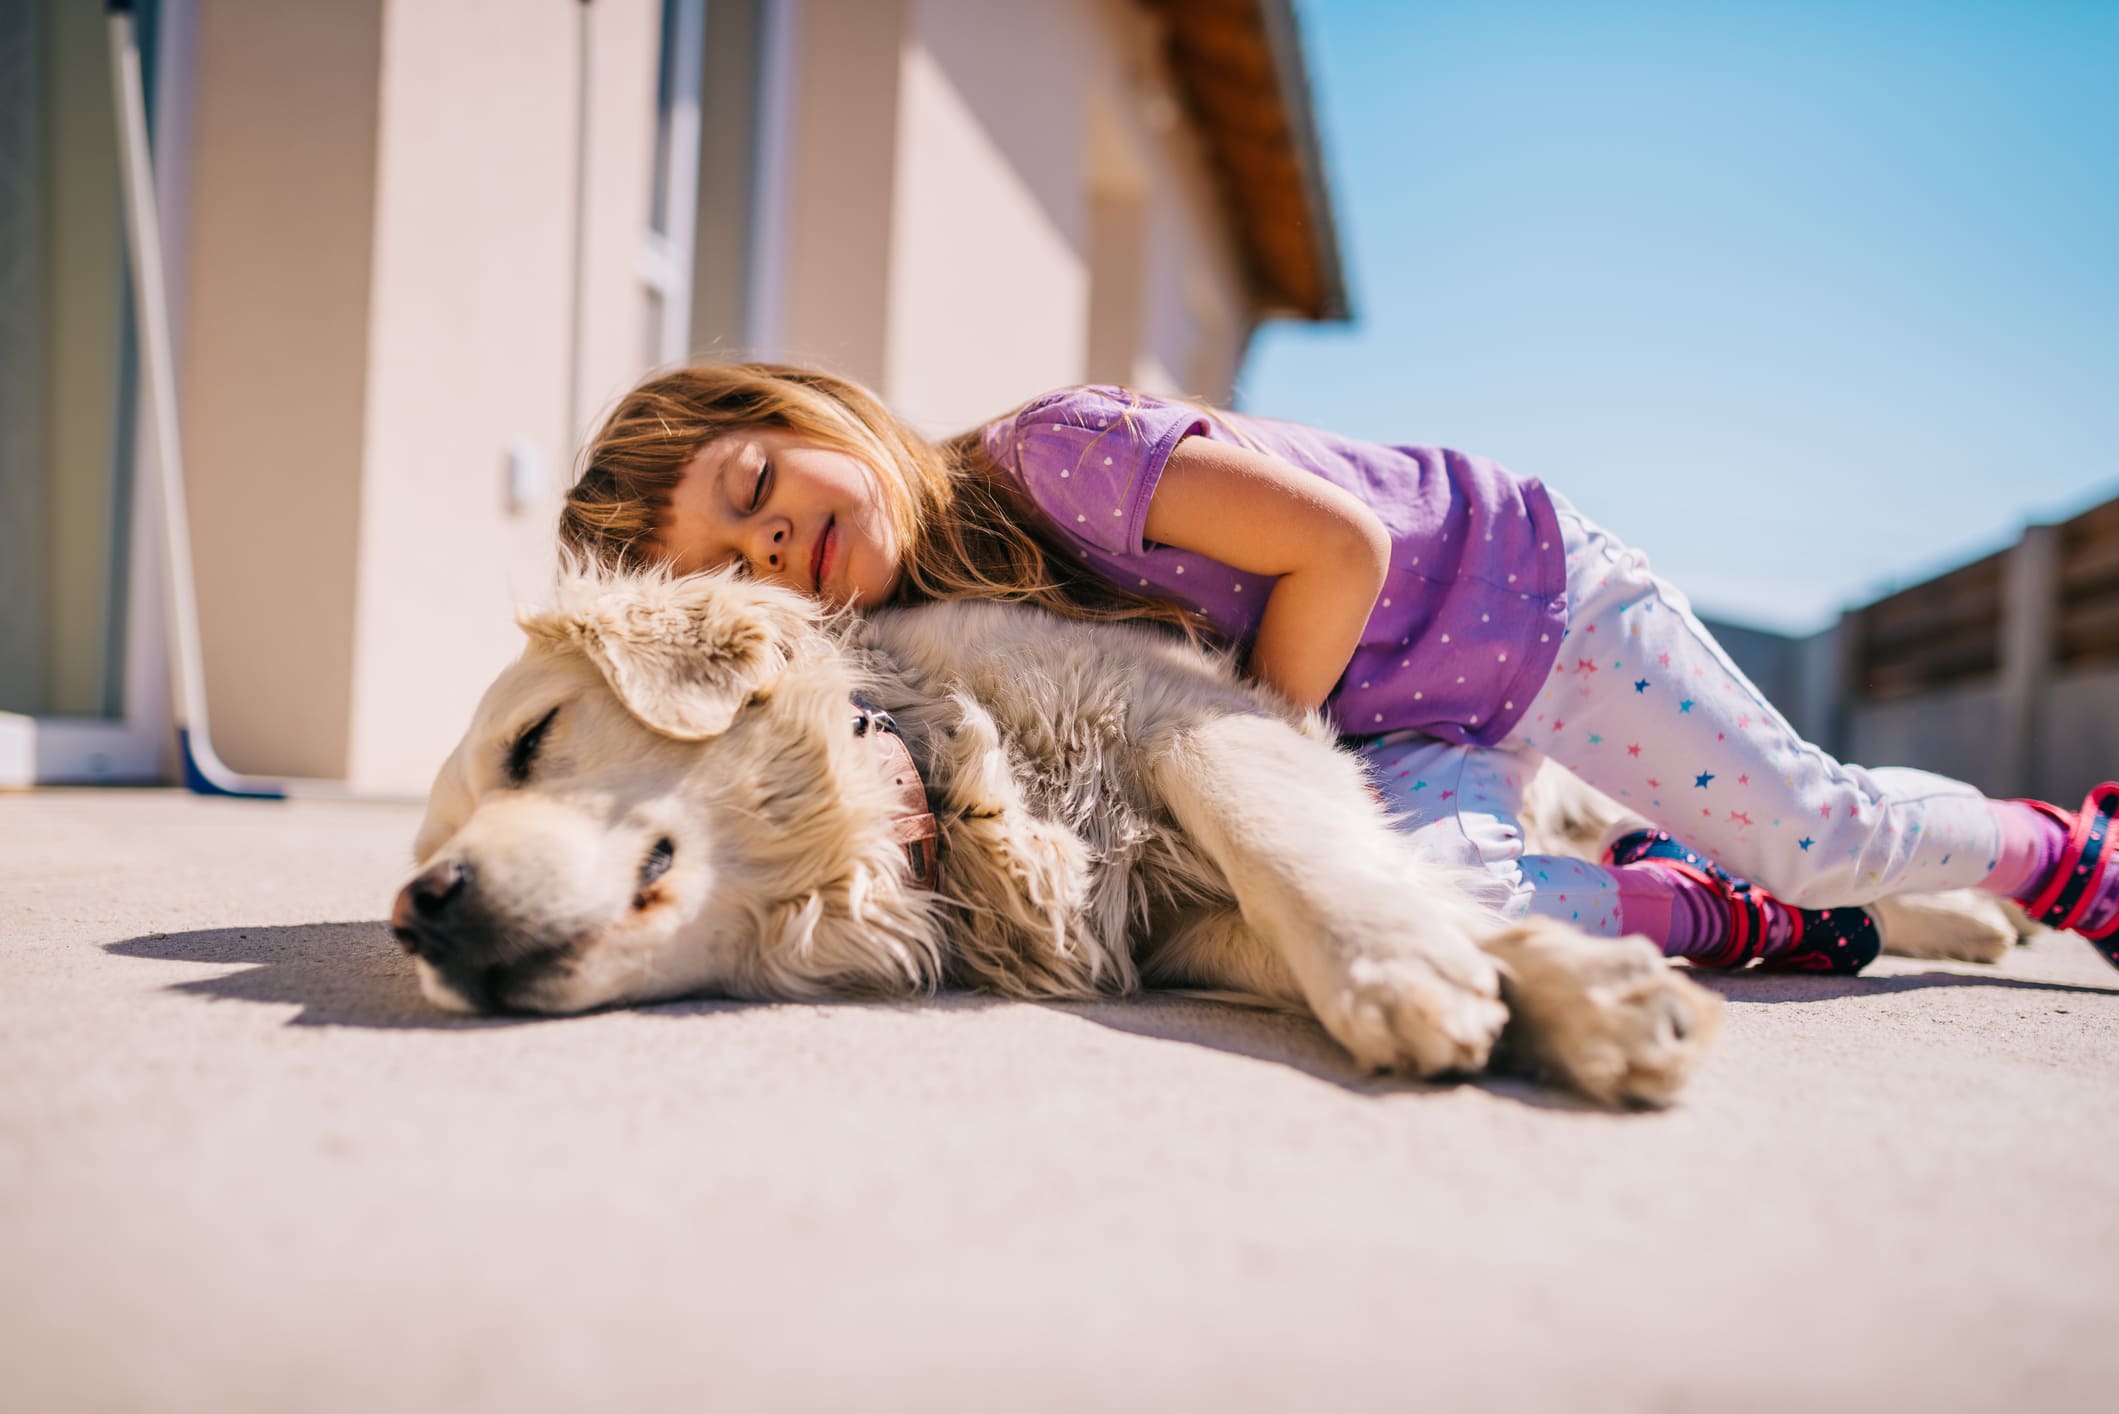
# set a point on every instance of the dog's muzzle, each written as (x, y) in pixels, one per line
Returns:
(440, 919)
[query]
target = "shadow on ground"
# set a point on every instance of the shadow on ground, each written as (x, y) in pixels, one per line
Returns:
(1756, 988)
(339, 974)
(1283, 1039)
(354, 974)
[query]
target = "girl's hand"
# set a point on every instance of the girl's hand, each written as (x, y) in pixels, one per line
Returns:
(1266, 516)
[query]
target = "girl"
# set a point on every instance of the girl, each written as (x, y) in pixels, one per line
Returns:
(1456, 620)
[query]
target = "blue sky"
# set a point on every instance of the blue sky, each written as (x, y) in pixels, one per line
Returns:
(1809, 301)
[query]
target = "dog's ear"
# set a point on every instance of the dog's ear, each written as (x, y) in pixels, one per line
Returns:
(684, 654)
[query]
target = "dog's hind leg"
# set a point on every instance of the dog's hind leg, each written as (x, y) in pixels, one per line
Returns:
(1961, 925)
(1379, 942)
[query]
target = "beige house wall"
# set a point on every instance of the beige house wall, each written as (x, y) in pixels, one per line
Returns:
(274, 368)
(989, 241)
(470, 340)
(1197, 322)
(1013, 121)
(380, 272)
(841, 183)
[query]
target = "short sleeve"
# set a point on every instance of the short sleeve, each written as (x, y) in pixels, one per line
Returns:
(1090, 458)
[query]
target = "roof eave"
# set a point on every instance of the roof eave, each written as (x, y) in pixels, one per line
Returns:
(1239, 65)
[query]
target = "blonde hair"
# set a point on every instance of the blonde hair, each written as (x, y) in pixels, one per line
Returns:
(968, 530)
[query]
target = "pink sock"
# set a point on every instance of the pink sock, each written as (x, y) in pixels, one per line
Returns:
(1687, 918)
(1682, 916)
(2031, 844)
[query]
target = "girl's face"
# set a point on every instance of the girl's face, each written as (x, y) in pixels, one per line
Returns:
(797, 514)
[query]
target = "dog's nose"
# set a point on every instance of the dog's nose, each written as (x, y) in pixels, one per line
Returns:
(433, 891)
(428, 900)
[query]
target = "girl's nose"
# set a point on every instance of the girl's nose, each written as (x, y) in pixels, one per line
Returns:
(774, 554)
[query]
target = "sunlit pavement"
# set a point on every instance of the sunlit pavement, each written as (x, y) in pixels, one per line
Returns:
(242, 1167)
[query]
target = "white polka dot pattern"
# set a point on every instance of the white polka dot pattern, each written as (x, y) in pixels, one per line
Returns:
(1465, 622)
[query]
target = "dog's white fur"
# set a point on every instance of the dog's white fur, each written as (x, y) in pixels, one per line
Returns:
(1116, 810)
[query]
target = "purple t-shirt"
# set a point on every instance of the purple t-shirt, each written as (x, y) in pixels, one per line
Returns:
(1469, 619)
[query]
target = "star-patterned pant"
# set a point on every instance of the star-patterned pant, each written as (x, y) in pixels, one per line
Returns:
(1644, 705)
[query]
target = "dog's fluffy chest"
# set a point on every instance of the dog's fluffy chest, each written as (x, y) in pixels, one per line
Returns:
(1055, 733)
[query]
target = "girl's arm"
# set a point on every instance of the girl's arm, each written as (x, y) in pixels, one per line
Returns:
(1266, 516)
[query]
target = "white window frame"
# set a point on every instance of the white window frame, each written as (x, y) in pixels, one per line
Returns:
(136, 747)
(664, 264)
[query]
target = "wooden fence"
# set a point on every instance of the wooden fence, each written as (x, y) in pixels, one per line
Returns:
(1962, 627)
(2087, 622)
(2003, 672)
(1938, 634)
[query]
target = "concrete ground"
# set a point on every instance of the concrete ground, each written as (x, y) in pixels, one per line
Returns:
(243, 1168)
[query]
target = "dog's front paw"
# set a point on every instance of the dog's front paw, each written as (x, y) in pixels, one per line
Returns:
(1410, 1012)
(1608, 1017)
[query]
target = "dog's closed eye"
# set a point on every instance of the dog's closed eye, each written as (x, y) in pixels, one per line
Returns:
(522, 752)
(652, 868)
(657, 862)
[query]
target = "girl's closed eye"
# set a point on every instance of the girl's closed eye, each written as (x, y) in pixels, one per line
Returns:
(806, 515)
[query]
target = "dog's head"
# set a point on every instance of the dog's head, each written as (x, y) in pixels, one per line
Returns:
(664, 797)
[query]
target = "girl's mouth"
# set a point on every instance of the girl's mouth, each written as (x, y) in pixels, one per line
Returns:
(820, 558)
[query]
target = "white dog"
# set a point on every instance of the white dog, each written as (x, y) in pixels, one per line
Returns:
(706, 786)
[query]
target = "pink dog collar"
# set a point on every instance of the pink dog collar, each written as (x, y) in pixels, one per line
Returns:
(915, 824)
